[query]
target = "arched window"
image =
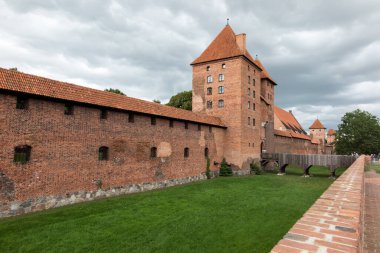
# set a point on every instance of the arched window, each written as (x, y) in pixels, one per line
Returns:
(103, 153)
(22, 154)
(186, 152)
(206, 152)
(153, 152)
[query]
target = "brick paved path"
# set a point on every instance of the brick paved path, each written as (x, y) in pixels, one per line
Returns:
(372, 213)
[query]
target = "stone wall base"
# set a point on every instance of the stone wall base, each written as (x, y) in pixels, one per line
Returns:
(42, 203)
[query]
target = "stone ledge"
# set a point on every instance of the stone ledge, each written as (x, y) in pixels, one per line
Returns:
(333, 223)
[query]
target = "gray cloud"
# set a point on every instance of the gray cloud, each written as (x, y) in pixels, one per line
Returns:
(324, 55)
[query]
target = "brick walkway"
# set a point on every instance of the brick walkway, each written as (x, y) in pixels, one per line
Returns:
(372, 213)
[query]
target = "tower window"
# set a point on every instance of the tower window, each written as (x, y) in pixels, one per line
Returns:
(249, 105)
(171, 123)
(209, 91)
(206, 152)
(131, 118)
(253, 82)
(253, 122)
(186, 152)
(221, 77)
(221, 89)
(22, 154)
(209, 79)
(103, 114)
(223, 66)
(153, 121)
(69, 109)
(254, 106)
(249, 91)
(249, 120)
(221, 103)
(208, 68)
(103, 153)
(209, 104)
(253, 94)
(248, 67)
(153, 152)
(22, 103)
(249, 79)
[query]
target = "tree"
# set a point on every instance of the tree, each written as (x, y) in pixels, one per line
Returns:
(157, 101)
(117, 91)
(359, 132)
(225, 170)
(182, 100)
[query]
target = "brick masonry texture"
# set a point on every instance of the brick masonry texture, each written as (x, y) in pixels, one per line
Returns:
(64, 156)
(334, 222)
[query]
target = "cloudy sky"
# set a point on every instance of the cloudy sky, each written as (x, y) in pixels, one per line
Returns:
(325, 55)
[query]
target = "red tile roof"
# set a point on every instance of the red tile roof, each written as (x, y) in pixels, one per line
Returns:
(222, 47)
(295, 129)
(282, 133)
(264, 73)
(287, 118)
(16, 81)
(317, 125)
(331, 132)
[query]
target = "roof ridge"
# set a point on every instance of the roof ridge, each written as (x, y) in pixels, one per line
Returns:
(42, 86)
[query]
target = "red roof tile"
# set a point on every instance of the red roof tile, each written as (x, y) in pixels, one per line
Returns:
(317, 125)
(331, 132)
(222, 47)
(11, 80)
(287, 118)
(282, 133)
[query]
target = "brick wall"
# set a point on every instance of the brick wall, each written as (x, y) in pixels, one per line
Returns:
(64, 156)
(294, 146)
(242, 140)
(333, 223)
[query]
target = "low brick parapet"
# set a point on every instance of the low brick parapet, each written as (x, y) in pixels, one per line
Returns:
(333, 223)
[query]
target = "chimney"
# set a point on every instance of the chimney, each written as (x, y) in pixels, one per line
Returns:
(240, 40)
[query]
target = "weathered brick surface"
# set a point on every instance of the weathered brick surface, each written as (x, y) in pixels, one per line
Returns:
(333, 223)
(64, 156)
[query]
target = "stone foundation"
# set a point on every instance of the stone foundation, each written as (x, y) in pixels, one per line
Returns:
(41, 203)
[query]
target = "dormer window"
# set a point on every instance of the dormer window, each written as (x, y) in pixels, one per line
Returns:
(209, 79)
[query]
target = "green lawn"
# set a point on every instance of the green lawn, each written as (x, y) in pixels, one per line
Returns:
(376, 167)
(236, 214)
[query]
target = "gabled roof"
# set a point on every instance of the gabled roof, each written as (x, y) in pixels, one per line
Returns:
(264, 73)
(331, 132)
(11, 80)
(288, 118)
(222, 47)
(317, 125)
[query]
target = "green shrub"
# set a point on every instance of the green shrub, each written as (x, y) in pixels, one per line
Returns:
(225, 170)
(256, 168)
(208, 168)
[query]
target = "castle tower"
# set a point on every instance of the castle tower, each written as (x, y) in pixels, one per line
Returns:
(317, 132)
(330, 136)
(227, 84)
